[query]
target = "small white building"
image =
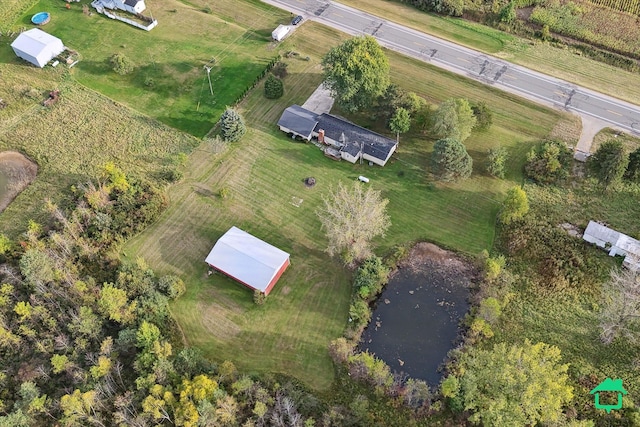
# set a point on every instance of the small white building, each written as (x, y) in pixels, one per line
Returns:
(280, 32)
(615, 243)
(37, 47)
(131, 6)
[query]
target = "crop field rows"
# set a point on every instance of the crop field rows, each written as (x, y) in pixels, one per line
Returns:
(628, 6)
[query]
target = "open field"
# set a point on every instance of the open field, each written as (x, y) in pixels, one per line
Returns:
(11, 10)
(169, 81)
(542, 57)
(264, 174)
(74, 138)
(569, 320)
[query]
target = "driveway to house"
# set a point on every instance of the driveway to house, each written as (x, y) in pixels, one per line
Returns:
(538, 87)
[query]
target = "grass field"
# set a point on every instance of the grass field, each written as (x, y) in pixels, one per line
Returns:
(11, 10)
(264, 174)
(630, 143)
(538, 56)
(169, 81)
(74, 138)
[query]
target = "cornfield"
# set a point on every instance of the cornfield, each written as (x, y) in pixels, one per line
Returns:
(629, 6)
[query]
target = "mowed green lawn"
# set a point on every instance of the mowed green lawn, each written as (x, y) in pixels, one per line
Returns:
(169, 81)
(263, 174)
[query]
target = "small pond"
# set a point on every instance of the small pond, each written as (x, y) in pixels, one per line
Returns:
(415, 321)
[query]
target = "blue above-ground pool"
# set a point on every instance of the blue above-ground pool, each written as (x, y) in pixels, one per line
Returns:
(41, 18)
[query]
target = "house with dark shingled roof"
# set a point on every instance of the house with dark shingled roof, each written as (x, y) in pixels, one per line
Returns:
(352, 141)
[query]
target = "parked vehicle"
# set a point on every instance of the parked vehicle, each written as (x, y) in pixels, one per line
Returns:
(296, 20)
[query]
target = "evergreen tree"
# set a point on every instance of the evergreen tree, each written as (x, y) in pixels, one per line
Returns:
(609, 162)
(273, 87)
(232, 125)
(450, 160)
(633, 169)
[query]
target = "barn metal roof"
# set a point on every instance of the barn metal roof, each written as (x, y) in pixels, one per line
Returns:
(246, 258)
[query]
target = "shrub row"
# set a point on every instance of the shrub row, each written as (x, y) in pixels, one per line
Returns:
(262, 74)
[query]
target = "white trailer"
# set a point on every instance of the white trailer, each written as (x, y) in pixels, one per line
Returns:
(280, 32)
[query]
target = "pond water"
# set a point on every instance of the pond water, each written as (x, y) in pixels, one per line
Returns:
(415, 321)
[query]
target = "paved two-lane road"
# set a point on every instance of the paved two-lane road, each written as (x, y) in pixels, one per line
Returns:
(485, 68)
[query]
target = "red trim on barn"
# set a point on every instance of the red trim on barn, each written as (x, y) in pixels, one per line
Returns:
(283, 267)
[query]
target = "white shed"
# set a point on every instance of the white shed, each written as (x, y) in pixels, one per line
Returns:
(37, 47)
(615, 243)
(279, 33)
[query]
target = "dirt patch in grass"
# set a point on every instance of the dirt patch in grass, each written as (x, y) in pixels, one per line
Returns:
(19, 171)
(426, 256)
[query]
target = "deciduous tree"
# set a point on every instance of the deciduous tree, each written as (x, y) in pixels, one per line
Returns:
(609, 162)
(548, 162)
(514, 385)
(454, 119)
(232, 125)
(620, 315)
(356, 72)
(351, 217)
(450, 160)
(515, 206)
(496, 161)
(483, 115)
(400, 122)
(121, 64)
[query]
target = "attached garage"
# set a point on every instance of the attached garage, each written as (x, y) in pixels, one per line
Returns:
(248, 260)
(37, 47)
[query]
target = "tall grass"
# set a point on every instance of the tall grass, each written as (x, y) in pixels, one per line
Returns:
(11, 10)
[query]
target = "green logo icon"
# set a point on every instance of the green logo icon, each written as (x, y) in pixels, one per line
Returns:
(609, 385)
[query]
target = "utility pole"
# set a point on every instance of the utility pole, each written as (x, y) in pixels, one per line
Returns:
(209, 77)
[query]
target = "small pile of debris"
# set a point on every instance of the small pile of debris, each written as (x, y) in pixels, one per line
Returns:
(52, 99)
(310, 182)
(3, 104)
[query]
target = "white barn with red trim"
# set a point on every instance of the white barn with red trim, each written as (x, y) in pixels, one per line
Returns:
(248, 260)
